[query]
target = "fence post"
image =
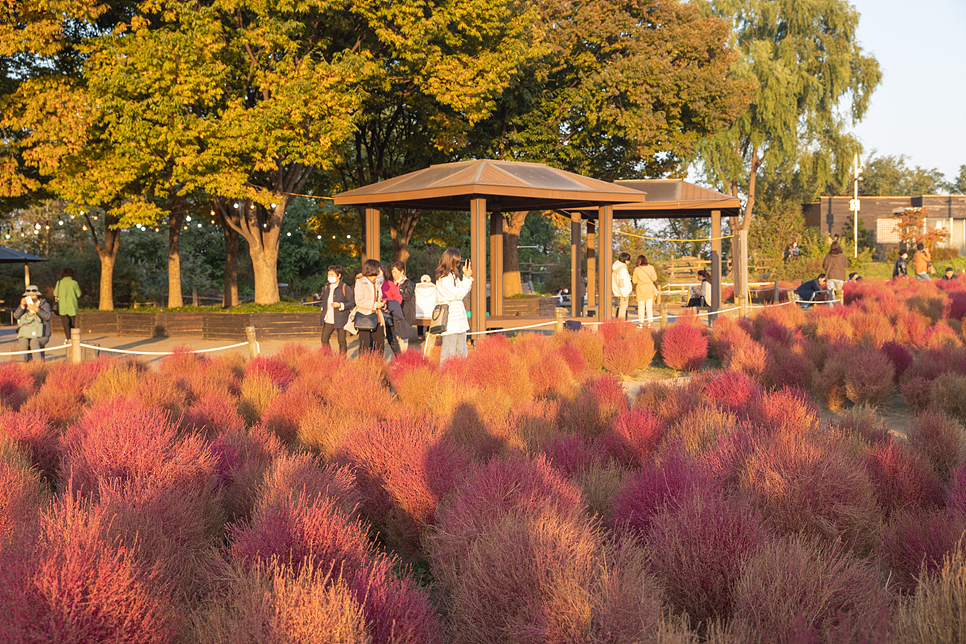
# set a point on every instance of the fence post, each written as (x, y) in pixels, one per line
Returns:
(194, 296)
(663, 315)
(559, 318)
(252, 345)
(743, 305)
(777, 292)
(75, 346)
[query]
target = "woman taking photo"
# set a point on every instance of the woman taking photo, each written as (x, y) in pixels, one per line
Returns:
(369, 302)
(453, 282)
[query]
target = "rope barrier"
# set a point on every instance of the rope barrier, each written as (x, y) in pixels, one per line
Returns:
(702, 239)
(159, 353)
(45, 349)
(518, 328)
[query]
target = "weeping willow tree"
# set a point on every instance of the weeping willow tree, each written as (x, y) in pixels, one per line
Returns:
(814, 82)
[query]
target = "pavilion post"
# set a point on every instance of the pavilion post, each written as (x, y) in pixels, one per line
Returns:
(26, 274)
(715, 260)
(576, 284)
(591, 263)
(606, 219)
(372, 233)
(478, 258)
(496, 264)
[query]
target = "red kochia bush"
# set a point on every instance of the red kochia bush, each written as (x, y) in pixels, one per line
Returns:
(697, 549)
(635, 437)
(650, 490)
(869, 376)
(32, 432)
(403, 468)
(902, 478)
(242, 456)
(597, 403)
(786, 411)
(277, 371)
(797, 590)
(732, 391)
(941, 440)
(956, 493)
(122, 441)
(16, 385)
(917, 393)
(73, 583)
(300, 532)
(684, 346)
(213, 416)
(915, 542)
(900, 357)
(620, 356)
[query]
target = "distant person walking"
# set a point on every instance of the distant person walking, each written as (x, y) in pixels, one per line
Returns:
(620, 283)
(454, 279)
(66, 295)
(836, 266)
(921, 262)
(368, 296)
(901, 268)
(33, 322)
(645, 289)
(337, 301)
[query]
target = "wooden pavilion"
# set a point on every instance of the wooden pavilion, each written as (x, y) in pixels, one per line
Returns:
(480, 187)
(666, 199)
(496, 187)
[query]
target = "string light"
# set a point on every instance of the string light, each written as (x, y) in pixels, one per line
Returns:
(199, 225)
(212, 213)
(236, 205)
(189, 218)
(320, 237)
(85, 227)
(61, 222)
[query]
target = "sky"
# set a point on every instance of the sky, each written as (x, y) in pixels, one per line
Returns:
(919, 108)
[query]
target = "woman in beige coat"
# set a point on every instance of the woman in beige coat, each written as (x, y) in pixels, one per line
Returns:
(644, 283)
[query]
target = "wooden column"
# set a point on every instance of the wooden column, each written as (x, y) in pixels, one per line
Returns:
(372, 233)
(576, 284)
(715, 260)
(606, 244)
(591, 263)
(496, 264)
(478, 257)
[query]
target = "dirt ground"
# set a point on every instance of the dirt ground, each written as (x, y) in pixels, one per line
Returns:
(895, 413)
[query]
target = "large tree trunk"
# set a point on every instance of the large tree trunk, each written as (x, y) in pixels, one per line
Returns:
(175, 221)
(402, 223)
(231, 267)
(107, 254)
(512, 226)
(261, 228)
(265, 264)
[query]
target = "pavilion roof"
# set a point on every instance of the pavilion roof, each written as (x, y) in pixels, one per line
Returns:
(672, 198)
(11, 256)
(506, 185)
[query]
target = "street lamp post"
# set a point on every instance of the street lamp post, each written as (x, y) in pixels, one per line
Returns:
(854, 204)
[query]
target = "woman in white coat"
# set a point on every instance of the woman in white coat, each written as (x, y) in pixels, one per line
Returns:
(453, 281)
(620, 283)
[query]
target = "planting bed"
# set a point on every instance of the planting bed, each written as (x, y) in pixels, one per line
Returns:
(516, 495)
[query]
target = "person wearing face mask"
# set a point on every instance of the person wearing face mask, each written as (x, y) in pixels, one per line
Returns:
(337, 300)
(368, 296)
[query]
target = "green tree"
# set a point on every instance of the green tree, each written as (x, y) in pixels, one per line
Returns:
(885, 176)
(813, 79)
(958, 185)
(626, 90)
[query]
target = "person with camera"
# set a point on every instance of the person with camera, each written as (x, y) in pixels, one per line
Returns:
(454, 279)
(33, 322)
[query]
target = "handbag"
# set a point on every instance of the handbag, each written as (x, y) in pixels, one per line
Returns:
(366, 321)
(56, 308)
(930, 268)
(440, 319)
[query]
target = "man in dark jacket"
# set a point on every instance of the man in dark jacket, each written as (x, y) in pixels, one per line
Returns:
(901, 269)
(337, 301)
(408, 292)
(807, 291)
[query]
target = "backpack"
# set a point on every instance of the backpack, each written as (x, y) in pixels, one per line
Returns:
(31, 326)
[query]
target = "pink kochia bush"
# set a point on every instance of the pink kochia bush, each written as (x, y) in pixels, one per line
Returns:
(684, 347)
(698, 547)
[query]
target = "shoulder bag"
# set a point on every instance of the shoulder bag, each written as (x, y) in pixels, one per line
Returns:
(440, 319)
(365, 321)
(56, 307)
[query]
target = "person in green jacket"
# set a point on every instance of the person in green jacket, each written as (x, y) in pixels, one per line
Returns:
(66, 294)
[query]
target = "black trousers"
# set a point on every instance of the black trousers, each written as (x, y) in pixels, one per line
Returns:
(327, 330)
(69, 322)
(374, 340)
